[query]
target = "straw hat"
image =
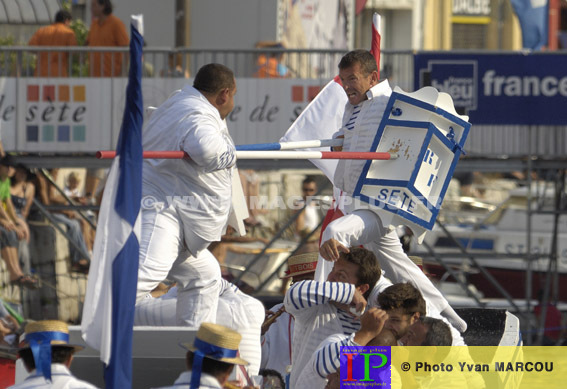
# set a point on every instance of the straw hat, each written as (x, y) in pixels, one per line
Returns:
(301, 264)
(419, 263)
(55, 329)
(218, 336)
(417, 260)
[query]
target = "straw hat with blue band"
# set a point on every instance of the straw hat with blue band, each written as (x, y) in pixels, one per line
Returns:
(40, 336)
(216, 342)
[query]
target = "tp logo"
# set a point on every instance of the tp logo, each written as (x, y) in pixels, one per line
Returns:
(365, 367)
(458, 78)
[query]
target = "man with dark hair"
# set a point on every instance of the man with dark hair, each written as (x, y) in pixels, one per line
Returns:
(51, 63)
(272, 379)
(404, 305)
(106, 30)
(49, 366)
(367, 101)
(325, 308)
(186, 203)
(213, 77)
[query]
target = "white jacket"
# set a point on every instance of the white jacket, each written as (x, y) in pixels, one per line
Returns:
(202, 186)
(61, 378)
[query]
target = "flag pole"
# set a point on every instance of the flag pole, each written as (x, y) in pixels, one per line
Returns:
(108, 311)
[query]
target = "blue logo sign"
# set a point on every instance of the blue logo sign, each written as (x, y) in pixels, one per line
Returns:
(521, 89)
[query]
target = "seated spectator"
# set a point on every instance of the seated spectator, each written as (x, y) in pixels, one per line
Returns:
(211, 358)
(49, 368)
(12, 230)
(73, 191)
(48, 195)
(22, 192)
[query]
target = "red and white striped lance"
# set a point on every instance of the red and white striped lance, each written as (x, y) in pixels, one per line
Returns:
(109, 154)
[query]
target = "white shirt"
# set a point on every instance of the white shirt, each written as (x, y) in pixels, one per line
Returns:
(383, 283)
(203, 185)
(276, 343)
(61, 378)
(362, 134)
(316, 319)
(184, 381)
(312, 219)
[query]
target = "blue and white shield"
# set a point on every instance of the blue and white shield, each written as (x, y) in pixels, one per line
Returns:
(428, 136)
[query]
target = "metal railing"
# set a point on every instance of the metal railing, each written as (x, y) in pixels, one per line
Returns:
(22, 61)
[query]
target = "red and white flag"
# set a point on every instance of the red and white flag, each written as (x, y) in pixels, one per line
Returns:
(375, 45)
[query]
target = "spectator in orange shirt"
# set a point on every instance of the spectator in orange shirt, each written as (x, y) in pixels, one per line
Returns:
(270, 65)
(54, 63)
(106, 30)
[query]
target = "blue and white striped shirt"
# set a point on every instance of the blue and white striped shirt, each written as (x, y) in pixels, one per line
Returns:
(355, 111)
(316, 318)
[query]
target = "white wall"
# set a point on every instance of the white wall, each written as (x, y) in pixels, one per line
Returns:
(230, 24)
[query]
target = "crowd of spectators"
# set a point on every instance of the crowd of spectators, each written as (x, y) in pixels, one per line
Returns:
(19, 188)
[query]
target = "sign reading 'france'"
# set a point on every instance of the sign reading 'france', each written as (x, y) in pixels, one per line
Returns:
(514, 89)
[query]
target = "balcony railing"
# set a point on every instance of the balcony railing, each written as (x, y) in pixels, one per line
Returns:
(18, 61)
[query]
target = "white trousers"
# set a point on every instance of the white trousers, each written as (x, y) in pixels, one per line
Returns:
(236, 310)
(170, 249)
(363, 227)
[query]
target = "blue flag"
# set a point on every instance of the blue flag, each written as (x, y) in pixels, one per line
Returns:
(108, 313)
(533, 16)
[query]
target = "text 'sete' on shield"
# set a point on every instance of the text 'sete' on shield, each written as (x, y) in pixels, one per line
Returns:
(428, 136)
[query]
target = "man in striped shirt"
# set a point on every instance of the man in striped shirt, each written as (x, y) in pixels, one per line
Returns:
(324, 308)
(326, 359)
